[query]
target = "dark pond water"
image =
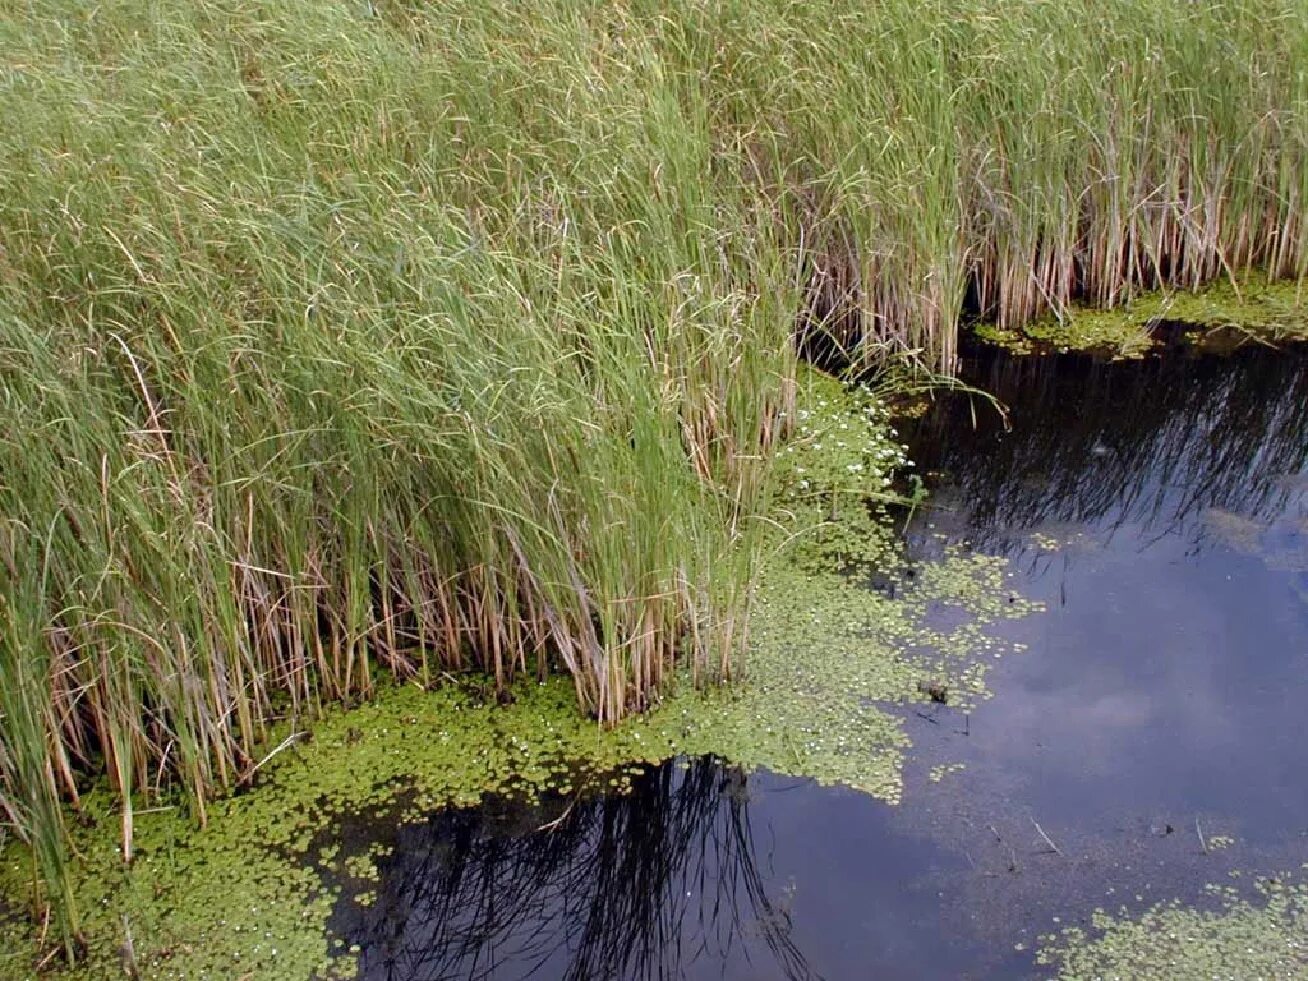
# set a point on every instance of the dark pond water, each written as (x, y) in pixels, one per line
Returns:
(1150, 741)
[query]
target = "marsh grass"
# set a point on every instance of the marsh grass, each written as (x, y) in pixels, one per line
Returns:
(346, 338)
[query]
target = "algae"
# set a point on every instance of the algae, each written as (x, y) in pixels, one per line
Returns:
(843, 628)
(1265, 937)
(1225, 314)
(1115, 332)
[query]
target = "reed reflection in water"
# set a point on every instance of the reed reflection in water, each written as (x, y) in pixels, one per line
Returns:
(1165, 446)
(637, 885)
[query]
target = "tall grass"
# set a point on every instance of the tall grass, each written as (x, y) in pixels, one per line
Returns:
(346, 338)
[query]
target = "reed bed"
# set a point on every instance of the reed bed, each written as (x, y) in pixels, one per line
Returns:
(344, 340)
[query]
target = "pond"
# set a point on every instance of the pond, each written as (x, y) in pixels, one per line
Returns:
(1148, 742)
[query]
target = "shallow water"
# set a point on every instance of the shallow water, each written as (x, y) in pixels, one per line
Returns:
(1149, 741)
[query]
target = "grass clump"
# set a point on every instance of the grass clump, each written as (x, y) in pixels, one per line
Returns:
(350, 339)
(328, 353)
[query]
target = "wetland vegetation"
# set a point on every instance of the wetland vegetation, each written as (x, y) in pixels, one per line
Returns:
(352, 350)
(828, 654)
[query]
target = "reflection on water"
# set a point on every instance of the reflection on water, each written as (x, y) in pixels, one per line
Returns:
(700, 872)
(635, 885)
(1160, 510)
(1156, 447)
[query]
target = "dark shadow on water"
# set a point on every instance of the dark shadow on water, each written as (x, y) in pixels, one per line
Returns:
(1160, 510)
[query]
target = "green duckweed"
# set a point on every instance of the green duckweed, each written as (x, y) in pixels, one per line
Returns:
(1240, 938)
(1224, 314)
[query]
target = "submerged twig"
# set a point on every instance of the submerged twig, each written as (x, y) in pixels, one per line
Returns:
(551, 825)
(1048, 841)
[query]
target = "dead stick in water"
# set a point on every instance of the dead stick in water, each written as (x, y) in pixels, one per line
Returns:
(551, 825)
(1012, 853)
(1048, 841)
(1200, 832)
(288, 741)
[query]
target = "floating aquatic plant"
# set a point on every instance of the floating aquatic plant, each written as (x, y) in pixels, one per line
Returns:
(1263, 938)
